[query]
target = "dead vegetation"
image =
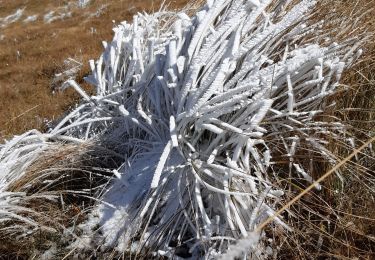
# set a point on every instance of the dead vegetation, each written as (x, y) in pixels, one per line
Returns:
(338, 222)
(57, 192)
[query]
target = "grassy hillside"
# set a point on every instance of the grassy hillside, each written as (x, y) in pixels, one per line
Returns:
(32, 53)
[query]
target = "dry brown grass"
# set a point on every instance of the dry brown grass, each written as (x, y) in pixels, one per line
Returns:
(353, 207)
(25, 92)
(339, 221)
(75, 174)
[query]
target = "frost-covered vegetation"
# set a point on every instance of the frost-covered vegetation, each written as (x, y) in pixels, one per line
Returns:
(207, 117)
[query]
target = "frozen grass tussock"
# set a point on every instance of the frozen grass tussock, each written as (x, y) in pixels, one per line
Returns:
(207, 116)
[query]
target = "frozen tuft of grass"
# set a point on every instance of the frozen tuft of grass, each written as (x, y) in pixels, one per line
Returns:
(210, 115)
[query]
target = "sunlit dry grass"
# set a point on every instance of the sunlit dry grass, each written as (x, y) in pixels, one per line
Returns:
(339, 222)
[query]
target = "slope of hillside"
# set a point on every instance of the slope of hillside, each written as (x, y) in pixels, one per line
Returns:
(36, 37)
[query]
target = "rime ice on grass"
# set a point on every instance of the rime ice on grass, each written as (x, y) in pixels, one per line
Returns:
(202, 109)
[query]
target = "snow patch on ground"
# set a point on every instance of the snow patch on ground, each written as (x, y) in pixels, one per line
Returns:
(31, 18)
(12, 17)
(52, 16)
(60, 13)
(83, 3)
